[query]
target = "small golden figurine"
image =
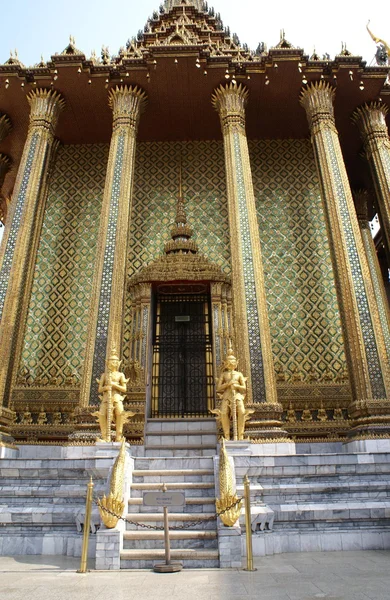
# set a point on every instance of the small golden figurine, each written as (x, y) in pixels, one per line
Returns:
(291, 417)
(306, 414)
(57, 418)
(42, 417)
(322, 414)
(232, 388)
(112, 384)
(338, 414)
(26, 418)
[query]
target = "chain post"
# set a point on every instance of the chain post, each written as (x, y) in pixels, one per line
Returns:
(248, 525)
(87, 525)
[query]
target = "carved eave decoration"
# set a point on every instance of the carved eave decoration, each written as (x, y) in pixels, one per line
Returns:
(69, 54)
(180, 267)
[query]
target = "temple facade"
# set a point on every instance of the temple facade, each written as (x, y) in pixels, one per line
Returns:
(181, 198)
(268, 150)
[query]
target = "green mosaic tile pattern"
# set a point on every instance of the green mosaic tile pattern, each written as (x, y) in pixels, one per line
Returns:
(56, 330)
(301, 295)
(154, 204)
(155, 194)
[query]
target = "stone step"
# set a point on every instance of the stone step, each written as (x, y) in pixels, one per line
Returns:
(57, 474)
(194, 489)
(53, 493)
(180, 451)
(40, 515)
(177, 425)
(181, 554)
(206, 539)
(311, 459)
(172, 472)
(158, 517)
(332, 511)
(173, 535)
(174, 463)
(290, 474)
(172, 479)
(180, 440)
(199, 500)
(175, 544)
(325, 491)
(176, 519)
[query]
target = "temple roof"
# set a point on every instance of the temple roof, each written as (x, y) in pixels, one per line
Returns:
(183, 54)
(198, 4)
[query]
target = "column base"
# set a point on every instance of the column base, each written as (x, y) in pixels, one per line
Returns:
(370, 419)
(7, 447)
(372, 446)
(265, 424)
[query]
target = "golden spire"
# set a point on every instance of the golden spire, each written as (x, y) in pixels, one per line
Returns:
(181, 233)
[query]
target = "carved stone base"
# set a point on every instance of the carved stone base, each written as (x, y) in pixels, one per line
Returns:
(265, 424)
(6, 440)
(370, 419)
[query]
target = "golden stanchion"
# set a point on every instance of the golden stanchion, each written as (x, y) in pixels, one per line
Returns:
(248, 525)
(87, 524)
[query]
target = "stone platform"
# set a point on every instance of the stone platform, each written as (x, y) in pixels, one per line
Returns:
(309, 501)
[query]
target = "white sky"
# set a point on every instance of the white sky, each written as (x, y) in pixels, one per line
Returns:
(38, 27)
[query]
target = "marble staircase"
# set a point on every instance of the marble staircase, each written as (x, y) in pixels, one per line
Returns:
(180, 437)
(180, 454)
(42, 500)
(322, 502)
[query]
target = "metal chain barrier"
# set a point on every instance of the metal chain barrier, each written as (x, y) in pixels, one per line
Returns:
(159, 528)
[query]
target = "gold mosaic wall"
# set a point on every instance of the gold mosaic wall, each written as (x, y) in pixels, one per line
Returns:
(156, 190)
(55, 338)
(305, 324)
(301, 295)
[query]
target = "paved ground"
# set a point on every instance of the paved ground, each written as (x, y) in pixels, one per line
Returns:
(306, 576)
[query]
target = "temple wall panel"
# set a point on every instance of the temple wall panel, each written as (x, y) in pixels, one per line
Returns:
(301, 296)
(154, 204)
(303, 311)
(55, 336)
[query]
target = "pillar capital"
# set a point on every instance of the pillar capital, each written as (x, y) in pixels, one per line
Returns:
(230, 102)
(127, 103)
(371, 116)
(5, 126)
(317, 100)
(46, 106)
(371, 121)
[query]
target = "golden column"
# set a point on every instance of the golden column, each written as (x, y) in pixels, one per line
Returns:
(106, 320)
(361, 198)
(366, 345)
(18, 251)
(251, 326)
(371, 121)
